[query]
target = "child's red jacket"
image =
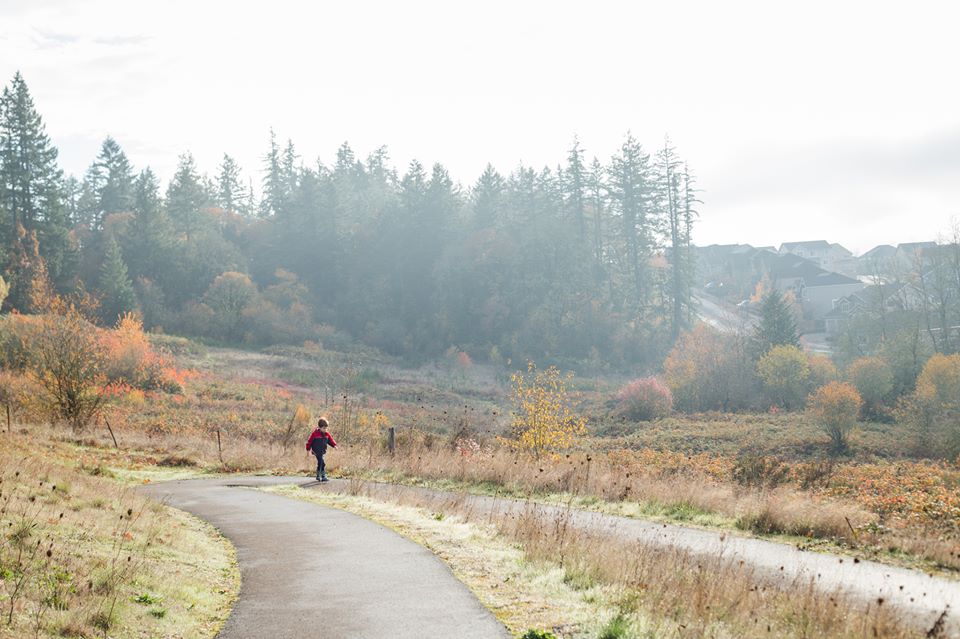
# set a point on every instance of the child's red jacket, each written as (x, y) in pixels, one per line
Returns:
(319, 441)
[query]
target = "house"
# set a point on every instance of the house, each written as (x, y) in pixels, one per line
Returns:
(876, 260)
(873, 300)
(830, 257)
(910, 254)
(815, 288)
(734, 271)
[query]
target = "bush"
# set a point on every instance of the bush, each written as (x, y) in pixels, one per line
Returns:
(836, 407)
(130, 358)
(707, 370)
(873, 379)
(933, 409)
(68, 361)
(784, 372)
(822, 371)
(940, 380)
(645, 399)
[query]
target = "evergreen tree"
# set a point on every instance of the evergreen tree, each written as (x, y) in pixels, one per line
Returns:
(777, 326)
(148, 245)
(574, 188)
(31, 193)
(487, 198)
(112, 181)
(276, 187)
(630, 193)
(186, 196)
(597, 189)
(231, 193)
(117, 296)
(29, 175)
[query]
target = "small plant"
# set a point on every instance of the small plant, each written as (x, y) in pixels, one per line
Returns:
(158, 613)
(537, 634)
(145, 599)
(616, 628)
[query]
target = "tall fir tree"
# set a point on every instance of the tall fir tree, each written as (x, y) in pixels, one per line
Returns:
(777, 326)
(31, 189)
(231, 191)
(574, 188)
(487, 198)
(186, 196)
(630, 194)
(111, 181)
(117, 296)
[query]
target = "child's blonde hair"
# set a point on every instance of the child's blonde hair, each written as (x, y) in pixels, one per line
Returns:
(323, 423)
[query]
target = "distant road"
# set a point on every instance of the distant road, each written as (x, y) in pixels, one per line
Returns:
(724, 317)
(309, 571)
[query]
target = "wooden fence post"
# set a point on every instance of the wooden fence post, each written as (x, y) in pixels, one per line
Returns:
(112, 436)
(392, 440)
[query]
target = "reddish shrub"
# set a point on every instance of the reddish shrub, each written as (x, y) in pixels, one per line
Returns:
(645, 399)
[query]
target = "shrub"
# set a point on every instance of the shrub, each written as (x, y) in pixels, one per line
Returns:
(784, 373)
(873, 379)
(940, 380)
(645, 399)
(543, 421)
(130, 358)
(67, 360)
(706, 370)
(822, 371)
(836, 407)
(932, 409)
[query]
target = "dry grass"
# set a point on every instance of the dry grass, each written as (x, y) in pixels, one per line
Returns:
(692, 490)
(653, 591)
(83, 556)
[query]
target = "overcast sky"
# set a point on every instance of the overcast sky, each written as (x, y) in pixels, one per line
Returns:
(837, 120)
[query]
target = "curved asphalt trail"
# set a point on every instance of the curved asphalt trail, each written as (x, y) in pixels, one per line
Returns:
(309, 571)
(917, 596)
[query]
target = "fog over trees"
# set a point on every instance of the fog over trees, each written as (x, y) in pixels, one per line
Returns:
(587, 260)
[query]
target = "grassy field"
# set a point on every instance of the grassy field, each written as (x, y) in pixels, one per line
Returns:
(83, 556)
(748, 474)
(763, 474)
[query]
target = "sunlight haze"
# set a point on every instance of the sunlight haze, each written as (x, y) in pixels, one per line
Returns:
(834, 121)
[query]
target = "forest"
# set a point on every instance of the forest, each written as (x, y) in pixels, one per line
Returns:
(581, 263)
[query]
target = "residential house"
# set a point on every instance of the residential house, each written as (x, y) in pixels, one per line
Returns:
(873, 300)
(830, 257)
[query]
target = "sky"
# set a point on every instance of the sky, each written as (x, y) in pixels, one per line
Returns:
(833, 120)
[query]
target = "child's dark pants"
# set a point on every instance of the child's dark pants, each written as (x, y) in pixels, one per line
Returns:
(321, 467)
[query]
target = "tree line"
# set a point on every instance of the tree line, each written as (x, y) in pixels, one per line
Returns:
(585, 261)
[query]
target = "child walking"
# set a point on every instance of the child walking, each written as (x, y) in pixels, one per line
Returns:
(318, 442)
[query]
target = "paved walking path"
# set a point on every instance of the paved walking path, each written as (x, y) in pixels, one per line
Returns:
(309, 571)
(921, 597)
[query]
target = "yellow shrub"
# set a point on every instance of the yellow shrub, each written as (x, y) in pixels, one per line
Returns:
(836, 407)
(543, 421)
